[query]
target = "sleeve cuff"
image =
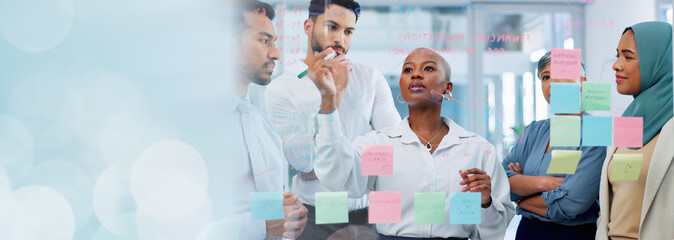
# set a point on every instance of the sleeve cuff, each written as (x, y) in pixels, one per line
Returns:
(328, 128)
(515, 197)
(494, 211)
(510, 173)
(551, 196)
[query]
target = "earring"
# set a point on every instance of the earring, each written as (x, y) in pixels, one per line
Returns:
(398, 99)
(444, 96)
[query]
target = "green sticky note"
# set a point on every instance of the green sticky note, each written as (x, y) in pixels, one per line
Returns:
(626, 167)
(564, 161)
(596, 96)
(429, 208)
(565, 131)
(332, 207)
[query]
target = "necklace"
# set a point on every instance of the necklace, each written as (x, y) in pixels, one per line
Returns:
(428, 143)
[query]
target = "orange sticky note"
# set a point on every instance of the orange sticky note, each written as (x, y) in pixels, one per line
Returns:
(377, 160)
(384, 207)
(565, 63)
(628, 131)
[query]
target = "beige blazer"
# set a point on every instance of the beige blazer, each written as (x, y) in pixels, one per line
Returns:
(657, 211)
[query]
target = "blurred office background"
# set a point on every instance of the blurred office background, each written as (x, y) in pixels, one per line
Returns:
(101, 101)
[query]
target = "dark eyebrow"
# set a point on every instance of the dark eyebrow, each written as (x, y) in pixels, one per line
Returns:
(335, 23)
(627, 50)
(544, 72)
(431, 62)
(624, 50)
(266, 34)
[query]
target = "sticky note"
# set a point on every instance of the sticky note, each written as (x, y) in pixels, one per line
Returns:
(565, 63)
(596, 96)
(429, 208)
(377, 160)
(628, 131)
(564, 161)
(626, 167)
(384, 207)
(597, 131)
(465, 208)
(332, 207)
(266, 205)
(564, 97)
(565, 131)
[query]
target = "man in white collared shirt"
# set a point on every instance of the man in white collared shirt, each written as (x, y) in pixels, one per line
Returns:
(293, 101)
(257, 163)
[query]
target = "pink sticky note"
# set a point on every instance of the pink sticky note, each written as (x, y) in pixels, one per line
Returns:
(565, 63)
(377, 160)
(628, 131)
(384, 207)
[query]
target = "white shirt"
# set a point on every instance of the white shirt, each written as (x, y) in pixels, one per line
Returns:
(415, 170)
(293, 105)
(255, 165)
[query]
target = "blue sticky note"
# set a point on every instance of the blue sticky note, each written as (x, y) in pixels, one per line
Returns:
(464, 208)
(597, 131)
(565, 97)
(266, 205)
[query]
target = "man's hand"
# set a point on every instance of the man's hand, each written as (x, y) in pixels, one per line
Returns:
(295, 216)
(343, 68)
(274, 228)
(321, 73)
(478, 182)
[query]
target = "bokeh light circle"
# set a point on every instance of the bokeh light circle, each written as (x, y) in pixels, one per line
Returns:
(113, 203)
(16, 148)
(43, 214)
(35, 25)
(169, 180)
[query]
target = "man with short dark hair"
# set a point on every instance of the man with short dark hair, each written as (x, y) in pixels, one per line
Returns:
(262, 170)
(293, 101)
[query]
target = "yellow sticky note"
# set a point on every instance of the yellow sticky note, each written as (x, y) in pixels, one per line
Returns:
(564, 161)
(626, 167)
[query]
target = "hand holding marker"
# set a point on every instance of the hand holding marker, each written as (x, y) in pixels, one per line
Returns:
(326, 58)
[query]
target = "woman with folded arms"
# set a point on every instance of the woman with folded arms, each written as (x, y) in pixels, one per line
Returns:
(643, 209)
(553, 206)
(431, 153)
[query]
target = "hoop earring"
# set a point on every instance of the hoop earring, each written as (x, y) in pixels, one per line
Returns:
(444, 96)
(398, 99)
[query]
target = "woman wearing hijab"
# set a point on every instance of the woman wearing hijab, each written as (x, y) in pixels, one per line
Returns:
(431, 154)
(562, 206)
(643, 209)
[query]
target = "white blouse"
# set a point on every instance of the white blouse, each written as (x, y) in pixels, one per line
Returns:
(415, 170)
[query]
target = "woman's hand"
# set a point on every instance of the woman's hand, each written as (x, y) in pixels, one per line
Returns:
(515, 167)
(478, 181)
(549, 183)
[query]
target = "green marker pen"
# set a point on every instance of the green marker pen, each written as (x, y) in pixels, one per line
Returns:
(326, 58)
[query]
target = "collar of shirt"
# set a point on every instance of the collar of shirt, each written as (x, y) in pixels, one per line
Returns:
(456, 132)
(231, 102)
(244, 104)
